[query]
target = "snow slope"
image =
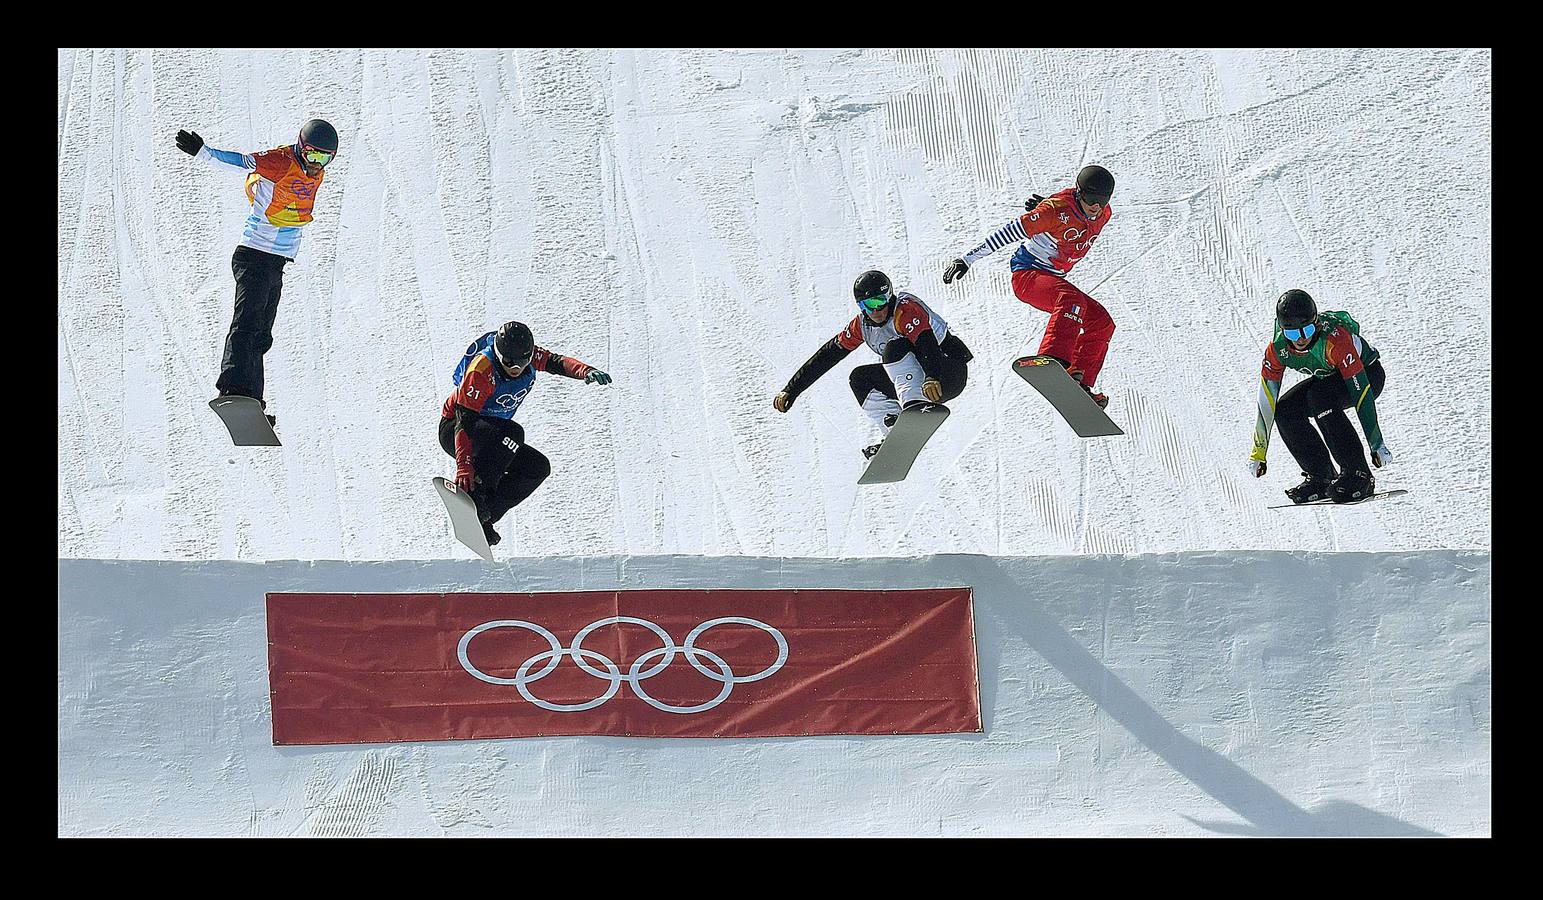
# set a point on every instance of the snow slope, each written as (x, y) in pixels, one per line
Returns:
(1256, 693)
(691, 221)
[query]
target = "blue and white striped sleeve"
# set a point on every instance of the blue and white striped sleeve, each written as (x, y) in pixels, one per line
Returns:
(1011, 233)
(226, 159)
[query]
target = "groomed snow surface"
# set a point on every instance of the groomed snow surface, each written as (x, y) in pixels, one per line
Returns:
(692, 221)
(1160, 654)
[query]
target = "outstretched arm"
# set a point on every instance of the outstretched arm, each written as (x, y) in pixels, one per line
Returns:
(1036, 220)
(1269, 391)
(1007, 235)
(552, 363)
(190, 143)
(823, 360)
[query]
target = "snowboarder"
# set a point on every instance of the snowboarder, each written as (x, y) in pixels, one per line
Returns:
(921, 360)
(1053, 234)
(493, 464)
(282, 185)
(1323, 345)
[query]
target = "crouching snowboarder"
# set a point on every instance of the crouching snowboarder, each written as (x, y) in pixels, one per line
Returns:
(493, 464)
(920, 360)
(1346, 372)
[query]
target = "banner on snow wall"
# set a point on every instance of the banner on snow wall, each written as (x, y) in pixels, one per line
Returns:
(370, 668)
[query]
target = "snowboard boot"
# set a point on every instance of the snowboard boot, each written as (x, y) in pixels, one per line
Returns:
(872, 450)
(1353, 485)
(1312, 488)
(272, 420)
(490, 534)
(1101, 399)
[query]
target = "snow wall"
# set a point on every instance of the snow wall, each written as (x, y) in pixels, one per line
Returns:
(1254, 693)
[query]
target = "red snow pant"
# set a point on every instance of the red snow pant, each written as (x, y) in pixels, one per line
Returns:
(1079, 329)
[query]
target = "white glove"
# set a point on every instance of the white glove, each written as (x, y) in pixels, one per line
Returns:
(1382, 456)
(1257, 467)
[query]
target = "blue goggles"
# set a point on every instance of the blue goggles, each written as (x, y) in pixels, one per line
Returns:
(1300, 334)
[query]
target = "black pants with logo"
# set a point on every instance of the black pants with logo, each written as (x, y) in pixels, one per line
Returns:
(259, 281)
(508, 469)
(1324, 400)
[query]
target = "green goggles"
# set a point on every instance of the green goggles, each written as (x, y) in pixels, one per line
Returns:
(874, 304)
(316, 157)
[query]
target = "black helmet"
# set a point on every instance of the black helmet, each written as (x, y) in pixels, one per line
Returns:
(320, 139)
(1295, 308)
(514, 346)
(869, 286)
(1095, 185)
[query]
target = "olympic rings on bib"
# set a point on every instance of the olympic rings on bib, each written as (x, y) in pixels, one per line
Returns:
(718, 668)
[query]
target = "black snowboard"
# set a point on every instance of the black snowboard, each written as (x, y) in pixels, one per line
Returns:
(1329, 502)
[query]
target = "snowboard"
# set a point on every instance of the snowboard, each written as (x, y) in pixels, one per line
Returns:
(1328, 502)
(1067, 396)
(245, 420)
(463, 517)
(906, 439)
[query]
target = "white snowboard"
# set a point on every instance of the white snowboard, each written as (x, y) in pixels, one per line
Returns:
(463, 517)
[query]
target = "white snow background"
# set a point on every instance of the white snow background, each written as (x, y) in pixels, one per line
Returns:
(691, 221)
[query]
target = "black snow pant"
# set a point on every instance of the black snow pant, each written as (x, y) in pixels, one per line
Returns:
(508, 470)
(1324, 399)
(259, 280)
(873, 377)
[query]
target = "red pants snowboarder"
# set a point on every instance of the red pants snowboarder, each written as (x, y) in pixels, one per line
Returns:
(1079, 329)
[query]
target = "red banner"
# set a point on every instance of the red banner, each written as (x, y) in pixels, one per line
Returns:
(368, 668)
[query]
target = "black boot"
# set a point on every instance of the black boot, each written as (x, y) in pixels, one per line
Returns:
(872, 450)
(1312, 488)
(1353, 485)
(241, 392)
(490, 534)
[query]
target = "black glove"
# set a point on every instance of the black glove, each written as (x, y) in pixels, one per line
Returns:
(782, 402)
(1033, 201)
(189, 142)
(955, 269)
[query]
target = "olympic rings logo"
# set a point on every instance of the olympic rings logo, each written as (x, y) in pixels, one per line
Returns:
(612, 674)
